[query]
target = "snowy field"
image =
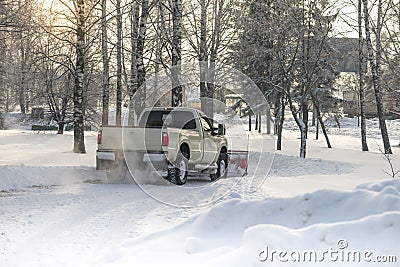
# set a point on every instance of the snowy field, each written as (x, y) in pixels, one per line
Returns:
(338, 207)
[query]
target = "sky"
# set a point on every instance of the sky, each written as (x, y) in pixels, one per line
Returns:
(347, 17)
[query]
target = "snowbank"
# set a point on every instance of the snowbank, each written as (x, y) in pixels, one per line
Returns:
(332, 227)
(20, 177)
(349, 127)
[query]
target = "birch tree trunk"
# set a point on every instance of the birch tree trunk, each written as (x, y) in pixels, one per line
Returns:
(177, 92)
(256, 126)
(280, 118)
(104, 52)
(158, 52)
(361, 79)
(203, 58)
(133, 85)
(22, 88)
(375, 70)
(22, 85)
(3, 98)
(215, 46)
(79, 139)
(321, 122)
(141, 69)
(119, 64)
(22, 56)
(299, 122)
(314, 117)
(305, 56)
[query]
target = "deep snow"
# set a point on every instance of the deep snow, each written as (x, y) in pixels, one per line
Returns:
(56, 210)
(236, 232)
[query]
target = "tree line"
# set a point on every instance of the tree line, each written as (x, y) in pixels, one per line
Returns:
(81, 57)
(289, 49)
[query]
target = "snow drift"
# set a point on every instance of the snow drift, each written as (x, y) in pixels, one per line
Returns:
(20, 177)
(358, 227)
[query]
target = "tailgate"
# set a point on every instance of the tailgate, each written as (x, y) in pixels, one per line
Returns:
(142, 139)
(131, 139)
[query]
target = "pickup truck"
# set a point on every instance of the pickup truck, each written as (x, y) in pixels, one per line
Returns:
(175, 142)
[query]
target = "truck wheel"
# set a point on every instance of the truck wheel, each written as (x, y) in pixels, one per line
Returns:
(178, 174)
(222, 164)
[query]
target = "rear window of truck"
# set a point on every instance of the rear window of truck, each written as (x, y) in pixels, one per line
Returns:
(168, 118)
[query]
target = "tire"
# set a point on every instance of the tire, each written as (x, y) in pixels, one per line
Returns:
(178, 174)
(222, 164)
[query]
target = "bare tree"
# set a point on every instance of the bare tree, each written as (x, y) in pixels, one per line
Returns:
(20, 26)
(375, 64)
(361, 63)
(119, 64)
(317, 70)
(141, 68)
(287, 51)
(205, 93)
(390, 54)
(79, 137)
(133, 84)
(23, 72)
(57, 80)
(105, 57)
(3, 47)
(177, 91)
(16, 42)
(59, 101)
(209, 29)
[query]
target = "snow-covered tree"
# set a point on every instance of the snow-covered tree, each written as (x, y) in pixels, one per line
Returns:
(284, 47)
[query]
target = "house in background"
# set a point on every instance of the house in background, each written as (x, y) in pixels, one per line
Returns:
(347, 83)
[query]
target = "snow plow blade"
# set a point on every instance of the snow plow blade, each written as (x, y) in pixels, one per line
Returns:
(238, 162)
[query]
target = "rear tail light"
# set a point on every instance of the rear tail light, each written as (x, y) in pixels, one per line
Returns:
(99, 138)
(164, 139)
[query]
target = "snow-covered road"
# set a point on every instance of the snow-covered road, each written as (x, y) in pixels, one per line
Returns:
(69, 224)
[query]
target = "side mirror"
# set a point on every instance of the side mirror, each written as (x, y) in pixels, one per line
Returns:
(221, 129)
